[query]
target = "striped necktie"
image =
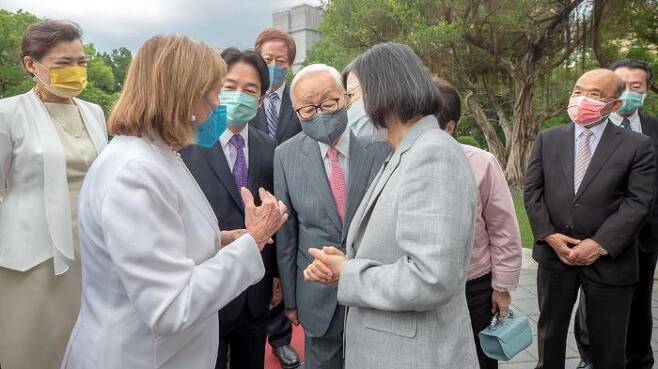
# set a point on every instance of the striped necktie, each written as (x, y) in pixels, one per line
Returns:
(337, 182)
(272, 112)
(625, 123)
(240, 173)
(582, 159)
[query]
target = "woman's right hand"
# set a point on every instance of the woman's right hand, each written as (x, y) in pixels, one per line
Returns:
(264, 220)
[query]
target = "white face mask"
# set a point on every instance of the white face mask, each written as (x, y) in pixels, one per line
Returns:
(361, 125)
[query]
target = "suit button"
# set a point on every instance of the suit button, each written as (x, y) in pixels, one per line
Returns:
(576, 205)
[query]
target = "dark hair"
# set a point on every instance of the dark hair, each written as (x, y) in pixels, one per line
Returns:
(39, 38)
(451, 109)
(395, 84)
(349, 68)
(233, 55)
(633, 64)
(273, 34)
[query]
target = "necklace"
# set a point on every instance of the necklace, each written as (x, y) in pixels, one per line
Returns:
(75, 135)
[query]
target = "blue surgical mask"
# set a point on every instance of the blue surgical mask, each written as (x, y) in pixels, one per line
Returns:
(326, 127)
(240, 107)
(361, 125)
(208, 132)
(632, 102)
(276, 74)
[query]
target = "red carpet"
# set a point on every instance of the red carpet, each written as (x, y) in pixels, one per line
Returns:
(271, 361)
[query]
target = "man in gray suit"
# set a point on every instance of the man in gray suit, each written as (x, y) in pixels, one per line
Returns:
(321, 174)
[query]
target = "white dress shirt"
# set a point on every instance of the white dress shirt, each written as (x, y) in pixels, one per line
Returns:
(230, 151)
(634, 118)
(343, 147)
(597, 132)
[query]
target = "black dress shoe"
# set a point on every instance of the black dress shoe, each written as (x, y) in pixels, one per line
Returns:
(287, 356)
(584, 365)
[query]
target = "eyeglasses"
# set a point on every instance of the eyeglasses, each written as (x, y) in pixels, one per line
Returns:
(352, 92)
(307, 112)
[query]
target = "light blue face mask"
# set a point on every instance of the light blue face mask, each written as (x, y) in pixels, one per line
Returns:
(208, 132)
(360, 123)
(632, 102)
(276, 74)
(240, 107)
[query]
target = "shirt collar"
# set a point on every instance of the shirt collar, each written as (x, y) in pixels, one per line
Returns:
(279, 91)
(343, 145)
(226, 136)
(616, 118)
(597, 130)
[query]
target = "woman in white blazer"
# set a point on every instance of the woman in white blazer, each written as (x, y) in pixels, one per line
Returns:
(156, 267)
(48, 140)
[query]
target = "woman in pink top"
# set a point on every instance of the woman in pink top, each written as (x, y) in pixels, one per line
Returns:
(496, 256)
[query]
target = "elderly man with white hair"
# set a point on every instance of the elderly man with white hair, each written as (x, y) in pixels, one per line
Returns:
(321, 174)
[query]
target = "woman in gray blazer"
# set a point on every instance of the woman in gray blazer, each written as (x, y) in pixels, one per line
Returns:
(409, 242)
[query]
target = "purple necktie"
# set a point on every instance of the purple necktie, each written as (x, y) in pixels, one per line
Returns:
(240, 165)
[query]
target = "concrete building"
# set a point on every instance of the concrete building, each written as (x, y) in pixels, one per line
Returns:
(302, 22)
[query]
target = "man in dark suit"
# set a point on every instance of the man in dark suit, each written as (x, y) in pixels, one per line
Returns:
(242, 157)
(636, 76)
(589, 188)
(276, 118)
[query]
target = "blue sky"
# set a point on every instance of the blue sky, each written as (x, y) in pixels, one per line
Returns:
(110, 24)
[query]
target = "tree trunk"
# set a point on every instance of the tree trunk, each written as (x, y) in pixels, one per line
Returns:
(496, 147)
(524, 128)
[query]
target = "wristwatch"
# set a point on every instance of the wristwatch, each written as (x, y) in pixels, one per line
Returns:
(602, 251)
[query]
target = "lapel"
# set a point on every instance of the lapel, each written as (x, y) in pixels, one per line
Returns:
(315, 172)
(608, 143)
(219, 164)
(259, 121)
(385, 173)
(284, 114)
(567, 155)
(255, 162)
(359, 168)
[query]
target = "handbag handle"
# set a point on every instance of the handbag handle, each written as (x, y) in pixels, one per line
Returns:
(496, 320)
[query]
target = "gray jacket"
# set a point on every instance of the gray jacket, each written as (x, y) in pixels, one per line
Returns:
(300, 181)
(409, 247)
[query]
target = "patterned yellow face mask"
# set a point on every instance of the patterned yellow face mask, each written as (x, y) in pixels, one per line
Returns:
(65, 82)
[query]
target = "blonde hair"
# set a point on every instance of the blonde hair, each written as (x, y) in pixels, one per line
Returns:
(162, 87)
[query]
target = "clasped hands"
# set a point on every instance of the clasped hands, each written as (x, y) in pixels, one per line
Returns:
(327, 266)
(581, 253)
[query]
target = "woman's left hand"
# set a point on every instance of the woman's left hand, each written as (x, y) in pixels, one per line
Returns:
(326, 267)
(230, 236)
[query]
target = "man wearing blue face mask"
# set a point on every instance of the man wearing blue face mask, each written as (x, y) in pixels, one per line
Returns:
(321, 174)
(241, 157)
(276, 118)
(636, 76)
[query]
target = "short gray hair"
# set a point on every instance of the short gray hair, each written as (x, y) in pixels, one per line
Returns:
(395, 83)
(315, 68)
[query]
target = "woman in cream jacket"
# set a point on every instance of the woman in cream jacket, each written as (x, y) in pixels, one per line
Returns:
(48, 140)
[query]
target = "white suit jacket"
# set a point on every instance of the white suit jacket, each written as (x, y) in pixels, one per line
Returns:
(35, 218)
(153, 279)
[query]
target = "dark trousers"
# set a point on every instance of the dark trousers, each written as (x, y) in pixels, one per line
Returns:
(279, 329)
(478, 298)
(242, 344)
(607, 318)
(639, 354)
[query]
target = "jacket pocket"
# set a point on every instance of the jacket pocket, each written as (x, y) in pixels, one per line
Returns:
(402, 324)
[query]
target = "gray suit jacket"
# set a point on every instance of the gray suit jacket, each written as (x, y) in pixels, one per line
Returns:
(300, 181)
(409, 247)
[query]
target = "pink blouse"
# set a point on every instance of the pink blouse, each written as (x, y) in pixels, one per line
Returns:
(497, 242)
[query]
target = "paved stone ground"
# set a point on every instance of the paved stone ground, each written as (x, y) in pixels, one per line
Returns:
(524, 301)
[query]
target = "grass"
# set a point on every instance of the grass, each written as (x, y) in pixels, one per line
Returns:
(527, 239)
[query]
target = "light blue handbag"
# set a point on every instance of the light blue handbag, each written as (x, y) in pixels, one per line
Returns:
(505, 338)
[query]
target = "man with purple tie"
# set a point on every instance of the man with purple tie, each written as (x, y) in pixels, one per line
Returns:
(242, 157)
